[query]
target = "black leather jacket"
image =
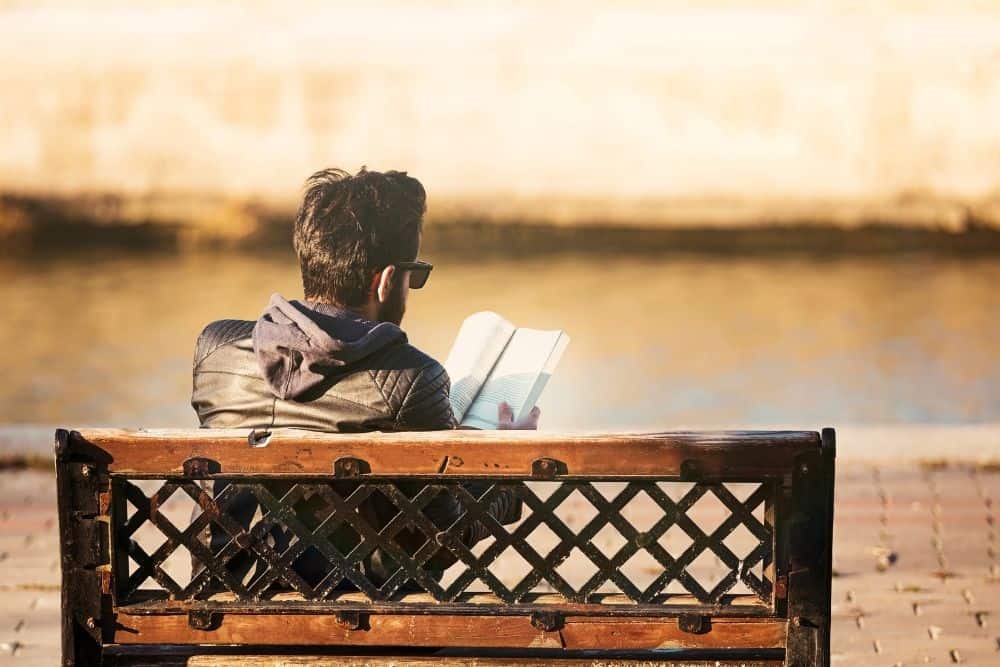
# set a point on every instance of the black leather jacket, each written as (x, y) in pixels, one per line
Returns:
(311, 366)
(314, 367)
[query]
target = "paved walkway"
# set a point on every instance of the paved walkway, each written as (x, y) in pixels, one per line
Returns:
(916, 559)
(29, 561)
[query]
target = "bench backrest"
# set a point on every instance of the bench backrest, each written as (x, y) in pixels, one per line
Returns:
(704, 545)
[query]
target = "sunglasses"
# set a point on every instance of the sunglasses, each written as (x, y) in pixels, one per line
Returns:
(419, 272)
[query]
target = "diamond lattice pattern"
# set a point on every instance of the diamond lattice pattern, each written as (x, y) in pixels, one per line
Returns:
(644, 540)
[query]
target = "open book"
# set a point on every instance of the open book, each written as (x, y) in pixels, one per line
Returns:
(493, 361)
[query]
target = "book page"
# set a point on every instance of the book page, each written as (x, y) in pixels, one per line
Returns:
(518, 376)
(476, 349)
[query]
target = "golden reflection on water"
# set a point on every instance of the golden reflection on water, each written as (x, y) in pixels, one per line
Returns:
(656, 342)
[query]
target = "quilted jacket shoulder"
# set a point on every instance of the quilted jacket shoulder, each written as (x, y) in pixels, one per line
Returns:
(220, 333)
(415, 387)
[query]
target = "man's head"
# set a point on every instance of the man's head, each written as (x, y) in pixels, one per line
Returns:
(350, 234)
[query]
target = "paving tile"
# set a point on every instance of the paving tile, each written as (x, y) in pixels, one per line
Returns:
(884, 612)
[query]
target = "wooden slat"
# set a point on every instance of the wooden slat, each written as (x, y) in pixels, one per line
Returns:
(578, 633)
(467, 661)
(731, 454)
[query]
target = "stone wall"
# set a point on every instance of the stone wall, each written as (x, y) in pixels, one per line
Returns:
(712, 113)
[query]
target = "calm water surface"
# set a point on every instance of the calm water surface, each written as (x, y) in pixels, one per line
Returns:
(656, 342)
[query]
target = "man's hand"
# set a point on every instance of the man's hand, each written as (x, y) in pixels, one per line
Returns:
(527, 423)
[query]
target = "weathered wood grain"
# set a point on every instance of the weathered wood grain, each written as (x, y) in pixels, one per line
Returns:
(512, 632)
(729, 454)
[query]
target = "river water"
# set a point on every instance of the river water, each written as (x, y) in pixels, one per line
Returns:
(657, 342)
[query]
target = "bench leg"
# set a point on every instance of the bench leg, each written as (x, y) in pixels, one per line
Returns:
(83, 546)
(810, 529)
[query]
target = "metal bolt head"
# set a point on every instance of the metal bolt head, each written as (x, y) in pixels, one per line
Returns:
(86, 470)
(692, 623)
(91, 623)
(350, 467)
(546, 621)
(201, 619)
(804, 468)
(547, 468)
(689, 470)
(350, 620)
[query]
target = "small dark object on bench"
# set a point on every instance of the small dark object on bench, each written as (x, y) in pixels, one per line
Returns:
(771, 606)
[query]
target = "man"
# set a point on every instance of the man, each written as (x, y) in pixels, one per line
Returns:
(338, 360)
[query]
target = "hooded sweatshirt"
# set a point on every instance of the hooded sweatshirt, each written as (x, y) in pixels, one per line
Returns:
(313, 366)
(299, 347)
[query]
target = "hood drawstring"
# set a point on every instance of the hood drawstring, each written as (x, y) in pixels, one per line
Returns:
(261, 439)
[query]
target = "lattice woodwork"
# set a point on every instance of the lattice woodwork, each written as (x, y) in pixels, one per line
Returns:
(649, 542)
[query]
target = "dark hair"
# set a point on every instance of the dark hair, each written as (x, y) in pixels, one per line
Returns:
(350, 227)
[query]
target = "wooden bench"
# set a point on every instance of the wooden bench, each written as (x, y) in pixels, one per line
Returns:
(673, 548)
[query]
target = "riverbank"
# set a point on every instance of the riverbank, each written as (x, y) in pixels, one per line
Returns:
(829, 104)
(32, 224)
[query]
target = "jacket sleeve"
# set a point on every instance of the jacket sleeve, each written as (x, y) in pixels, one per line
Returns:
(426, 405)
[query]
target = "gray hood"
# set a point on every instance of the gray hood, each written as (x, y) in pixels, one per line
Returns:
(300, 346)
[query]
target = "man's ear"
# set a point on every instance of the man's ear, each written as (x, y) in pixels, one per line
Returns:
(384, 282)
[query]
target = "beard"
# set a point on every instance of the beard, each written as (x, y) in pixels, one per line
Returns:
(393, 308)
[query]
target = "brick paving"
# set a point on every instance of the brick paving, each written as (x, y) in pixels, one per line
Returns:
(29, 561)
(916, 562)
